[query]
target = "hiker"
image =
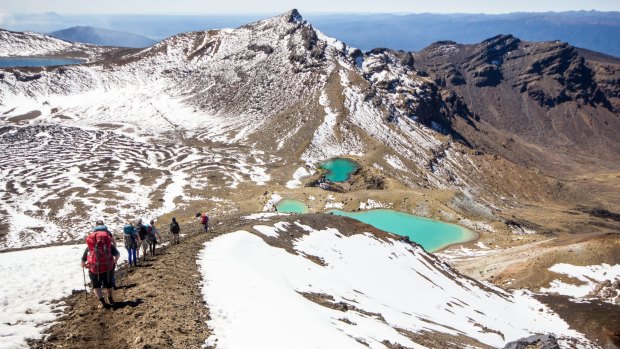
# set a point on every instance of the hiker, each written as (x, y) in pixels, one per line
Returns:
(152, 237)
(175, 229)
(99, 226)
(100, 257)
(204, 220)
(142, 233)
(132, 243)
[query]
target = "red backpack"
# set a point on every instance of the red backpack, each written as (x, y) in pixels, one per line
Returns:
(100, 258)
(205, 219)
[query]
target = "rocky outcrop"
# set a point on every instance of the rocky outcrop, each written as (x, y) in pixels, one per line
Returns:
(557, 74)
(397, 86)
(534, 342)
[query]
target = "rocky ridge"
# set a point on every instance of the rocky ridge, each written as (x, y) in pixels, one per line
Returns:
(534, 95)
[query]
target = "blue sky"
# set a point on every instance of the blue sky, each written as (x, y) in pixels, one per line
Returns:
(8, 7)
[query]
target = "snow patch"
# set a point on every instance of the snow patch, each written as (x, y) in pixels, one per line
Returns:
(300, 173)
(395, 162)
(338, 205)
(271, 203)
(371, 204)
(590, 276)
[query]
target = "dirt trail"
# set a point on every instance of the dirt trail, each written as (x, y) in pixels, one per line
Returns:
(158, 305)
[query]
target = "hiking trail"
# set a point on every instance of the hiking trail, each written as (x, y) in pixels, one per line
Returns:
(158, 304)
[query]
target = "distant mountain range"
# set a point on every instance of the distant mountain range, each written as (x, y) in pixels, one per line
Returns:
(102, 37)
(597, 31)
(593, 30)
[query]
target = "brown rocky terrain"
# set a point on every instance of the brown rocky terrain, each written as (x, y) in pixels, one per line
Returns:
(540, 104)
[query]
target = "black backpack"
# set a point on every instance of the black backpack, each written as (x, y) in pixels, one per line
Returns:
(174, 228)
(151, 233)
(142, 231)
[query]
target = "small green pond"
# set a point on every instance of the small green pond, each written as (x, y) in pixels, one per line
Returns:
(431, 234)
(339, 169)
(291, 206)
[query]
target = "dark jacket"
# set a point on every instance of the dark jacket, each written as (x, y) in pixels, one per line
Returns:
(175, 228)
(142, 231)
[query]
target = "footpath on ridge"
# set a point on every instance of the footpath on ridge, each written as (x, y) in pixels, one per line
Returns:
(158, 304)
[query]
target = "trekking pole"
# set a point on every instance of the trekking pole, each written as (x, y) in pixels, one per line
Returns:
(123, 283)
(84, 276)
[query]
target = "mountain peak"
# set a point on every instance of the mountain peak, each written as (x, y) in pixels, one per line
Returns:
(292, 16)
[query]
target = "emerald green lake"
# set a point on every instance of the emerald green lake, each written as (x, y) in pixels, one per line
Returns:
(431, 234)
(291, 206)
(339, 169)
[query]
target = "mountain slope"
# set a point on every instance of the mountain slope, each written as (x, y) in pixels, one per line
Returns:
(533, 102)
(21, 44)
(102, 37)
(290, 93)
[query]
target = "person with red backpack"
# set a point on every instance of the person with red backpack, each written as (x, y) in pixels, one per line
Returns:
(100, 226)
(100, 257)
(204, 220)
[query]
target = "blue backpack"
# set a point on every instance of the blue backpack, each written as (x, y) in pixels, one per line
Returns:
(130, 236)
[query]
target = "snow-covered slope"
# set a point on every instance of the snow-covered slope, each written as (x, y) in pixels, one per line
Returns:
(32, 281)
(277, 86)
(290, 285)
(20, 44)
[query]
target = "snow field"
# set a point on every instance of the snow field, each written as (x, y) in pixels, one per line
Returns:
(256, 295)
(31, 280)
(57, 180)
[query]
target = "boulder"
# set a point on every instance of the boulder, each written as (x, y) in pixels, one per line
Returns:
(534, 342)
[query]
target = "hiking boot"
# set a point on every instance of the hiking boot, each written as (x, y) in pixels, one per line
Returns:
(111, 301)
(102, 304)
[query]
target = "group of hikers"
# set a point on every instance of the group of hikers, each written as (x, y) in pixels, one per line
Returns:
(101, 254)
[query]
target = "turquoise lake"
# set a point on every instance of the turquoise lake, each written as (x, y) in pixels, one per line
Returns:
(431, 234)
(339, 169)
(291, 206)
(6, 62)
